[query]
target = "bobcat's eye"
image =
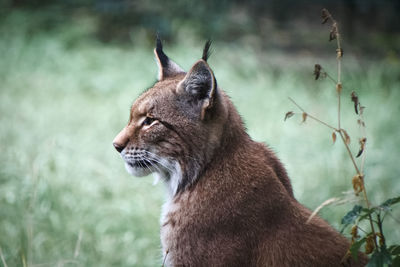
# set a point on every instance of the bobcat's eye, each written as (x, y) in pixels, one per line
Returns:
(148, 121)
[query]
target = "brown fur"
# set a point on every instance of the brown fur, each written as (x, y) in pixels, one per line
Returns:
(230, 200)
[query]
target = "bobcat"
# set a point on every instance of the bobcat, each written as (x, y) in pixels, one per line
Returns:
(230, 201)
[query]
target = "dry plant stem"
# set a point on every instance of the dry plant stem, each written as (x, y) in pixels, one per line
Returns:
(312, 117)
(339, 83)
(339, 72)
(339, 109)
(381, 229)
(365, 148)
(330, 77)
(361, 175)
(352, 159)
(364, 190)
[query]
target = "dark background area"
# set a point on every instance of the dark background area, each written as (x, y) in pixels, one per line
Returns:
(373, 26)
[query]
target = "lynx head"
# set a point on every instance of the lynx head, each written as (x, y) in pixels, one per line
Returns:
(176, 126)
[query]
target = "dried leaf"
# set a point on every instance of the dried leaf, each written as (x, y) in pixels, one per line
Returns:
(339, 88)
(317, 71)
(346, 136)
(354, 99)
(369, 245)
(334, 137)
(358, 184)
(360, 152)
(325, 15)
(381, 239)
(304, 117)
(288, 115)
(354, 231)
(362, 146)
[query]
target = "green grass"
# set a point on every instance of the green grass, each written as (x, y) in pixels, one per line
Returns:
(64, 96)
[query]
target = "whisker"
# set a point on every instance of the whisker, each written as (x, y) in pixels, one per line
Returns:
(158, 159)
(150, 159)
(145, 160)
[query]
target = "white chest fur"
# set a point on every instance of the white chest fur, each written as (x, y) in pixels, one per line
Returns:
(168, 210)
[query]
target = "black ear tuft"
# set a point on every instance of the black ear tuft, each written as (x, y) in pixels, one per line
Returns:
(160, 53)
(206, 51)
(166, 67)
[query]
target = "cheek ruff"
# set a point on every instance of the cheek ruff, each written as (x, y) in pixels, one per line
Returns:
(141, 162)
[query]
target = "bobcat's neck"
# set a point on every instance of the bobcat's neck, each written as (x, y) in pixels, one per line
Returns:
(221, 138)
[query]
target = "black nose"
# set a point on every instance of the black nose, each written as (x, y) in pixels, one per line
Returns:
(118, 147)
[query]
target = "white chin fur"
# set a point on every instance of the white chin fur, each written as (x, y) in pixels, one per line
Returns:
(170, 172)
(139, 172)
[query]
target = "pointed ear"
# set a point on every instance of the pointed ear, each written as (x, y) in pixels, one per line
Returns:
(201, 85)
(166, 67)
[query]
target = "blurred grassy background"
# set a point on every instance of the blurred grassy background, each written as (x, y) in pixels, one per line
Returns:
(70, 71)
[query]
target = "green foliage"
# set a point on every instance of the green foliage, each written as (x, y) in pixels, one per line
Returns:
(355, 247)
(395, 252)
(381, 255)
(389, 203)
(380, 258)
(352, 215)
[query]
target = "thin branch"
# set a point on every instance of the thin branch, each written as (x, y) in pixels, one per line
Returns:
(339, 94)
(364, 190)
(381, 230)
(339, 55)
(363, 133)
(330, 77)
(294, 102)
(339, 68)
(312, 117)
(359, 228)
(350, 154)
(335, 82)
